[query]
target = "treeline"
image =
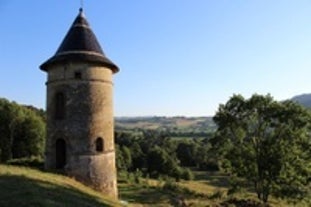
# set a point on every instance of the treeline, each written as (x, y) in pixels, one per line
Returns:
(22, 131)
(188, 134)
(155, 154)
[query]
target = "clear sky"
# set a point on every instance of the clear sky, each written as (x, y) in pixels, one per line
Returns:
(176, 57)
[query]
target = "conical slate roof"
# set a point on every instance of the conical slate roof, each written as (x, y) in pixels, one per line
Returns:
(80, 44)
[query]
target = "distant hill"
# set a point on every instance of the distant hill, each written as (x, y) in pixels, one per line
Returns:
(303, 99)
(178, 125)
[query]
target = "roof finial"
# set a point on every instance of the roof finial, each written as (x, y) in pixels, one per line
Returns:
(81, 6)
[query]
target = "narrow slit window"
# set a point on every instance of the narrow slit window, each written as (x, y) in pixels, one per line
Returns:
(78, 75)
(99, 144)
(59, 106)
(60, 153)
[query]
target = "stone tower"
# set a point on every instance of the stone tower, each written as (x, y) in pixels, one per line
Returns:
(80, 124)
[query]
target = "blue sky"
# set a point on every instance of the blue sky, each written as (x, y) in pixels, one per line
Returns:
(176, 57)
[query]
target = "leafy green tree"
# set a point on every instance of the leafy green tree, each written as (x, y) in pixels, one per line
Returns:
(123, 158)
(29, 136)
(267, 142)
(186, 152)
(160, 162)
(119, 159)
(10, 116)
(187, 174)
(22, 131)
(127, 157)
(206, 158)
(138, 157)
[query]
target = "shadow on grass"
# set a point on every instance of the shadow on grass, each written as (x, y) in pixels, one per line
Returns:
(215, 179)
(23, 192)
(138, 194)
(219, 180)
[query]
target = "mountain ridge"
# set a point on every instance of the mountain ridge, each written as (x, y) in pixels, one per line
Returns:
(303, 99)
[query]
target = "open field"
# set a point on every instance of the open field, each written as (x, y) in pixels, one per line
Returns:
(193, 123)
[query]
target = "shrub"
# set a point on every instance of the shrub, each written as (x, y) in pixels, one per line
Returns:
(35, 162)
(187, 174)
(219, 194)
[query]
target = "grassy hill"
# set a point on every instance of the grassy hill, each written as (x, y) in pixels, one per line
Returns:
(23, 187)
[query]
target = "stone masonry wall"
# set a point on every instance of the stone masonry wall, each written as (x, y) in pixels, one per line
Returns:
(88, 116)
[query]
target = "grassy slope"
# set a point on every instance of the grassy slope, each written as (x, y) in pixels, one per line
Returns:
(21, 186)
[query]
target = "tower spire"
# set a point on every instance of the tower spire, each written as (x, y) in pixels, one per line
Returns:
(81, 6)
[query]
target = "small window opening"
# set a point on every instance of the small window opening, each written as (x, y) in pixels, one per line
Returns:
(60, 153)
(78, 75)
(59, 102)
(99, 144)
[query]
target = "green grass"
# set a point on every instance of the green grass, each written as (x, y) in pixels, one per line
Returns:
(23, 187)
(137, 195)
(207, 189)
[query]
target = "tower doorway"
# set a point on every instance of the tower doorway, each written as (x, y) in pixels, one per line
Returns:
(60, 153)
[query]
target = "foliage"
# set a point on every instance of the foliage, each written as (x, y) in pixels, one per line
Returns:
(186, 152)
(34, 162)
(152, 153)
(187, 174)
(267, 142)
(159, 162)
(22, 131)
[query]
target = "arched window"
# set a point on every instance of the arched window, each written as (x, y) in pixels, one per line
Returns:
(59, 106)
(99, 144)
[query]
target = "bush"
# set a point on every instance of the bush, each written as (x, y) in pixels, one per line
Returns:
(187, 174)
(236, 185)
(34, 162)
(219, 194)
(137, 176)
(176, 189)
(171, 186)
(177, 173)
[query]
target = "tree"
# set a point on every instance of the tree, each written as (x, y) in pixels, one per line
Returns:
(22, 131)
(160, 162)
(267, 142)
(138, 157)
(119, 158)
(186, 153)
(29, 136)
(123, 158)
(127, 157)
